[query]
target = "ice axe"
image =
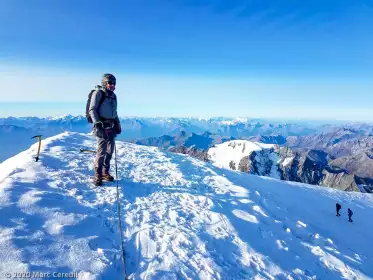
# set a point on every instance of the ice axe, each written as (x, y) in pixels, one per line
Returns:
(87, 151)
(39, 138)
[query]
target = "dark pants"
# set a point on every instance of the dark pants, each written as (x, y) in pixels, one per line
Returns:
(349, 218)
(105, 149)
(338, 212)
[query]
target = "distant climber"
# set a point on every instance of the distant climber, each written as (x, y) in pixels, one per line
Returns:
(350, 213)
(338, 208)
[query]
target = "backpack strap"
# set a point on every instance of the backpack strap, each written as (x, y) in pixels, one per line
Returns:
(103, 96)
(102, 99)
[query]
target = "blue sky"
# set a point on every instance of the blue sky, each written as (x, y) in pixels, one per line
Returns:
(291, 59)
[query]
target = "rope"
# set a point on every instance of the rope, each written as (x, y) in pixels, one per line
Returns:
(119, 215)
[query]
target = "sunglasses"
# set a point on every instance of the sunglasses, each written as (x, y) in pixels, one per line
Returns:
(111, 83)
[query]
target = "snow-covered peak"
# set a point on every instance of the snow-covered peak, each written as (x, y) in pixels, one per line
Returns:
(61, 117)
(234, 121)
(222, 155)
(181, 218)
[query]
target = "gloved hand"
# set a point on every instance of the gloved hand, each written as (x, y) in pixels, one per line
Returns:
(119, 128)
(99, 125)
(98, 130)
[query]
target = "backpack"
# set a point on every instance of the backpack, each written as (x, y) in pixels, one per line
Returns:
(88, 117)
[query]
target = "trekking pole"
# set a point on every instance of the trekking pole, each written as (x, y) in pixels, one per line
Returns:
(119, 215)
(39, 139)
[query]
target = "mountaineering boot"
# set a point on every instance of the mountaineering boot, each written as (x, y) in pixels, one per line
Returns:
(98, 178)
(106, 176)
(98, 181)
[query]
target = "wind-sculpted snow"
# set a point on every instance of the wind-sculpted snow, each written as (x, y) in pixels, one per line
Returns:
(182, 219)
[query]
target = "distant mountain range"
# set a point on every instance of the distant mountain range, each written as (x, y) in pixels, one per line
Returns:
(200, 141)
(340, 148)
(138, 128)
(347, 149)
(342, 159)
(135, 128)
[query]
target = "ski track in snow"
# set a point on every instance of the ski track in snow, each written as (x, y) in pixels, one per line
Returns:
(181, 218)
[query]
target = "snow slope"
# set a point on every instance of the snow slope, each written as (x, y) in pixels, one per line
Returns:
(182, 219)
